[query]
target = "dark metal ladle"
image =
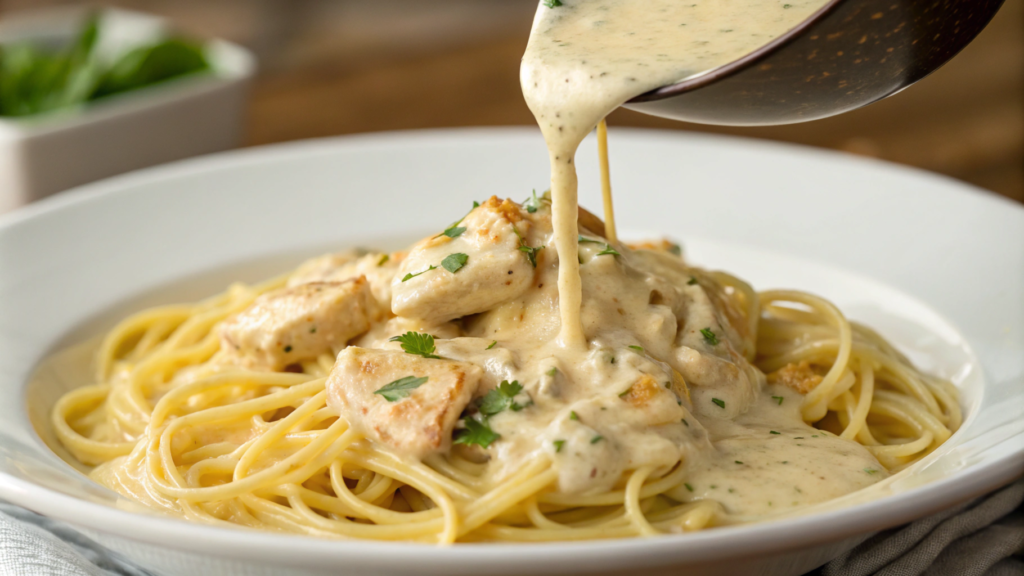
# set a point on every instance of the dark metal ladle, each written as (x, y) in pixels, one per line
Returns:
(848, 54)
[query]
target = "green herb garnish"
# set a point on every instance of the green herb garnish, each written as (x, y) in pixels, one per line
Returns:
(718, 402)
(584, 240)
(558, 445)
(778, 399)
(871, 471)
(476, 432)
(552, 3)
(531, 253)
(552, 372)
(501, 397)
(573, 416)
(675, 249)
(533, 203)
(492, 345)
(608, 250)
(691, 281)
(596, 439)
(709, 336)
(454, 262)
(454, 231)
(688, 487)
(639, 349)
(383, 260)
(774, 432)
(401, 388)
(417, 343)
(410, 275)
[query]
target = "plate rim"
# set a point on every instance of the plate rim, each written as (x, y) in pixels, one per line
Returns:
(744, 540)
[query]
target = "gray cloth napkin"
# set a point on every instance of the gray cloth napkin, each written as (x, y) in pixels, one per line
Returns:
(984, 537)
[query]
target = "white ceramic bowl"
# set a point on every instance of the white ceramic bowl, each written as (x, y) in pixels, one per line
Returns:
(182, 117)
(936, 265)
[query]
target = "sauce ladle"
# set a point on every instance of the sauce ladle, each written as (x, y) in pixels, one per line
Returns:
(848, 54)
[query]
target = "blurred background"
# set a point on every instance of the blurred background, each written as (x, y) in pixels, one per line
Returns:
(331, 67)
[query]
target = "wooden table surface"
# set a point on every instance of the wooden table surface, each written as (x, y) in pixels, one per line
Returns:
(332, 67)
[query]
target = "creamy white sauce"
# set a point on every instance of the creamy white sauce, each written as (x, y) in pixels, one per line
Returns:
(587, 57)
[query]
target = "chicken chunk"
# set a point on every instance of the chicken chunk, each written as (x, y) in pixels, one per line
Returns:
(800, 377)
(493, 269)
(378, 268)
(404, 401)
(297, 323)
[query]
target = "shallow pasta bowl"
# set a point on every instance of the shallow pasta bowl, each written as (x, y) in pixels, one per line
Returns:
(935, 265)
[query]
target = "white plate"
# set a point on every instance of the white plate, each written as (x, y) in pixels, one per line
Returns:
(936, 265)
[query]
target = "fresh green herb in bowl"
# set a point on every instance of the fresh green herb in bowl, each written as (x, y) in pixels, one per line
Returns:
(34, 79)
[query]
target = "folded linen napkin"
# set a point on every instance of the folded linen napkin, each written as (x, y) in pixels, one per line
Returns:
(984, 537)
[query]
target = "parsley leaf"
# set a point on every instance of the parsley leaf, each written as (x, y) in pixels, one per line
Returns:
(552, 372)
(871, 471)
(718, 402)
(596, 439)
(774, 432)
(778, 399)
(501, 397)
(416, 343)
(692, 281)
(558, 445)
(552, 3)
(493, 344)
(531, 253)
(532, 204)
(454, 262)
(608, 250)
(639, 349)
(688, 487)
(454, 231)
(709, 336)
(383, 260)
(401, 388)
(584, 240)
(410, 275)
(573, 416)
(476, 432)
(675, 249)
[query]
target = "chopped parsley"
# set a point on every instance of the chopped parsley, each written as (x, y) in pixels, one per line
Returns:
(608, 250)
(383, 260)
(533, 203)
(738, 462)
(312, 330)
(778, 399)
(410, 275)
(718, 402)
(709, 336)
(584, 240)
(552, 3)
(628, 390)
(417, 343)
(552, 372)
(476, 432)
(774, 432)
(558, 445)
(401, 388)
(529, 251)
(639, 349)
(691, 281)
(685, 422)
(454, 262)
(288, 348)
(675, 249)
(688, 487)
(573, 416)
(454, 231)
(871, 471)
(596, 439)
(492, 345)
(501, 397)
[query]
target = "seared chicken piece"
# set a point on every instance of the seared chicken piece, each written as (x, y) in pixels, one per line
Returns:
(405, 401)
(494, 271)
(377, 267)
(298, 323)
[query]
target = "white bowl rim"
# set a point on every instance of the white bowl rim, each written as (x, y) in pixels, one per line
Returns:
(736, 541)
